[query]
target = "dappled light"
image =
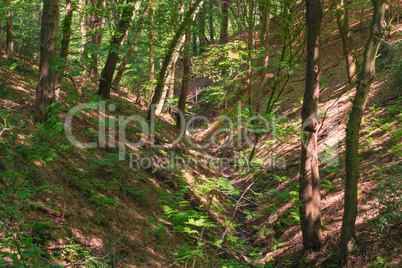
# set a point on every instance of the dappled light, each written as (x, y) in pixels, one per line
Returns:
(92, 176)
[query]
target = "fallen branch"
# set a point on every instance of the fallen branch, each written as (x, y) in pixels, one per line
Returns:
(5, 127)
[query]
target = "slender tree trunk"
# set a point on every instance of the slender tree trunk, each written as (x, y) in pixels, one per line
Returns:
(397, 18)
(10, 33)
(87, 26)
(352, 66)
(310, 197)
(65, 43)
(130, 51)
(82, 4)
(161, 77)
(202, 36)
(250, 46)
(366, 77)
(362, 16)
(211, 21)
(171, 69)
(185, 81)
(194, 45)
(118, 38)
(151, 42)
(46, 85)
(264, 41)
(171, 86)
(170, 76)
(98, 28)
(223, 39)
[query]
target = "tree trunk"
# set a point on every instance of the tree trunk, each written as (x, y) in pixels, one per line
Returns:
(10, 33)
(105, 82)
(194, 45)
(161, 77)
(349, 50)
(170, 76)
(310, 197)
(98, 27)
(202, 36)
(151, 42)
(171, 87)
(65, 43)
(81, 6)
(211, 21)
(86, 29)
(264, 41)
(223, 39)
(130, 51)
(185, 81)
(366, 77)
(46, 84)
(397, 18)
(171, 69)
(250, 46)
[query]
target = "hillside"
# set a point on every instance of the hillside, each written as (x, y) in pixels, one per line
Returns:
(184, 204)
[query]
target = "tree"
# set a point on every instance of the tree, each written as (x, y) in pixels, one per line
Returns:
(169, 77)
(46, 85)
(225, 21)
(352, 66)
(186, 80)
(98, 25)
(151, 42)
(161, 77)
(366, 77)
(171, 70)
(250, 46)
(202, 37)
(130, 51)
(211, 20)
(309, 195)
(116, 43)
(10, 33)
(65, 42)
(263, 35)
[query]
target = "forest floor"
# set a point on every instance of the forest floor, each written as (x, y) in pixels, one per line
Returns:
(86, 207)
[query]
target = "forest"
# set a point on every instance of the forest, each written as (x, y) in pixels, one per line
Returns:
(200, 133)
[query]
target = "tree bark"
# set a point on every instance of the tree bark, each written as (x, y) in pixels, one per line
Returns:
(264, 41)
(352, 66)
(151, 42)
(250, 46)
(310, 197)
(194, 37)
(81, 6)
(98, 26)
(211, 21)
(366, 77)
(118, 38)
(46, 85)
(10, 33)
(397, 18)
(65, 43)
(223, 39)
(201, 35)
(185, 81)
(171, 87)
(86, 28)
(169, 77)
(130, 51)
(161, 77)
